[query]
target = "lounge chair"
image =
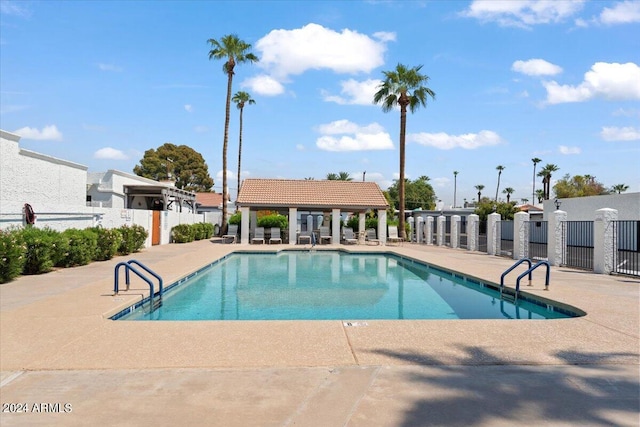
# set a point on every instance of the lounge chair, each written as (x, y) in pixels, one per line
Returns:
(371, 238)
(258, 236)
(275, 235)
(325, 235)
(349, 236)
(232, 233)
(393, 235)
(306, 236)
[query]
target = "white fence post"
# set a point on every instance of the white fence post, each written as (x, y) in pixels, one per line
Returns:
(428, 235)
(455, 231)
(493, 222)
(520, 233)
(419, 229)
(473, 232)
(556, 239)
(440, 230)
(604, 245)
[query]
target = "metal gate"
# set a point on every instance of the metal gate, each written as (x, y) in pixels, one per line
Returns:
(538, 233)
(578, 249)
(506, 239)
(626, 257)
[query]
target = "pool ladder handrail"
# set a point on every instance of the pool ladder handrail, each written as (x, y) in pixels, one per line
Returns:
(128, 267)
(528, 272)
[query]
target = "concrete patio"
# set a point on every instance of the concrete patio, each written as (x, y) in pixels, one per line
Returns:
(57, 346)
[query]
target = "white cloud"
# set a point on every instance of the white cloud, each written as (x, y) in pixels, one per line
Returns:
(188, 108)
(109, 67)
(264, 85)
(385, 36)
(569, 150)
(468, 141)
(441, 182)
(314, 47)
(48, 133)
(354, 137)
(625, 12)
(620, 134)
(11, 8)
(611, 81)
(536, 67)
(108, 153)
(524, 13)
(355, 92)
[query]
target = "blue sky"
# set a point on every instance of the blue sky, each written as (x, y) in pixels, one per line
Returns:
(100, 82)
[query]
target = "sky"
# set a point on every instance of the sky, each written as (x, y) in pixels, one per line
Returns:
(100, 82)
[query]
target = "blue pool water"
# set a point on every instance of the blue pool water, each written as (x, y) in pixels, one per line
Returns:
(323, 285)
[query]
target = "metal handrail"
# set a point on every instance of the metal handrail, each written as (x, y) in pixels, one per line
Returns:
(546, 281)
(127, 265)
(148, 270)
(507, 271)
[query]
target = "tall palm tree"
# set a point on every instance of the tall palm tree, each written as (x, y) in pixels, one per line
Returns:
(479, 187)
(540, 195)
(455, 187)
(344, 176)
(499, 168)
(508, 191)
(545, 173)
(241, 98)
(233, 51)
(404, 87)
(535, 161)
(620, 188)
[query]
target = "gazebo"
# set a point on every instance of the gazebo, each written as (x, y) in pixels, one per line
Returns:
(311, 203)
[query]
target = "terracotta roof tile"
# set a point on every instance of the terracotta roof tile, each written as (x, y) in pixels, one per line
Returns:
(209, 199)
(311, 193)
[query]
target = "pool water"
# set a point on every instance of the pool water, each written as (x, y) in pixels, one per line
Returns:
(324, 285)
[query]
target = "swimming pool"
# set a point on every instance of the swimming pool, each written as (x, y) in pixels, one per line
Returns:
(325, 285)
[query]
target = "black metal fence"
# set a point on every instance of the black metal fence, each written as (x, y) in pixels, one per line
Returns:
(538, 234)
(506, 238)
(626, 259)
(578, 250)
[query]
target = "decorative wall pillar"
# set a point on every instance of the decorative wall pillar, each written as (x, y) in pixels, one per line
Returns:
(473, 232)
(428, 235)
(455, 231)
(520, 235)
(440, 230)
(493, 242)
(557, 238)
(604, 243)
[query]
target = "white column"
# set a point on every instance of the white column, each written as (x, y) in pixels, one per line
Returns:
(362, 221)
(428, 235)
(419, 229)
(493, 222)
(253, 223)
(412, 228)
(335, 226)
(293, 225)
(473, 232)
(604, 245)
(520, 235)
(557, 238)
(382, 226)
(455, 231)
(244, 225)
(440, 230)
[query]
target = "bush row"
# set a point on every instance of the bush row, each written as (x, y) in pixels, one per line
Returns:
(33, 250)
(185, 233)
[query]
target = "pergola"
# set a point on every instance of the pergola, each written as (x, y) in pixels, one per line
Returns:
(293, 197)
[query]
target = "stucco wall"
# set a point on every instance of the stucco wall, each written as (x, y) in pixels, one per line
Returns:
(584, 208)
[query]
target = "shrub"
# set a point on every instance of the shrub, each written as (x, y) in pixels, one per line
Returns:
(208, 230)
(12, 254)
(236, 218)
(274, 220)
(354, 223)
(133, 238)
(83, 245)
(59, 246)
(199, 231)
(109, 239)
(183, 233)
(40, 248)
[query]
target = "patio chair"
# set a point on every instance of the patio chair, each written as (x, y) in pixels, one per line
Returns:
(325, 235)
(232, 233)
(258, 236)
(349, 236)
(371, 238)
(305, 236)
(393, 235)
(275, 235)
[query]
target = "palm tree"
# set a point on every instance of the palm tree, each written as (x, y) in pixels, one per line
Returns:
(535, 161)
(233, 51)
(619, 188)
(332, 176)
(545, 173)
(403, 87)
(540, 195)
(241, 98)
(499, 168)
(455, 187)
(479, 187)
(508, 191)
(344, 176)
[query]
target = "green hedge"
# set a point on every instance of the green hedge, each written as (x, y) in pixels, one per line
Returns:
(109, 240)
(274, 220)
(185, 233)
(13, 252)
(133, 238)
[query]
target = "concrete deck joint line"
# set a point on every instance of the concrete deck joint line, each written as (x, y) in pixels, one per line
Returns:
(346, 335)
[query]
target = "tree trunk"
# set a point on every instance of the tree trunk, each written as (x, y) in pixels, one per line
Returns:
(225, 194)
(403, 101)
(239, 152)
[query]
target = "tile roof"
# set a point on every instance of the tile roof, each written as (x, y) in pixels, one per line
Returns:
(311, 193)
(209, 199)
